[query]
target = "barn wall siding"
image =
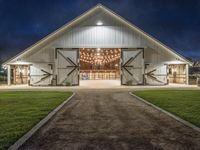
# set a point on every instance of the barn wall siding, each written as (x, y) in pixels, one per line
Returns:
(45, 54)
(103, 37)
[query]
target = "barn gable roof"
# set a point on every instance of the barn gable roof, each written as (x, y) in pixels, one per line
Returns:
(75, 21)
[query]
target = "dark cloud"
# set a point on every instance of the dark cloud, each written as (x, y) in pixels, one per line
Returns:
(176, 23)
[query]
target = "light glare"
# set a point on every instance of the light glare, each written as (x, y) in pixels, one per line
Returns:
(99, 23)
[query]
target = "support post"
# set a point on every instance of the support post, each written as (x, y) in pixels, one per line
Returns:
(8, 75)
(187, 74)
(143, 62)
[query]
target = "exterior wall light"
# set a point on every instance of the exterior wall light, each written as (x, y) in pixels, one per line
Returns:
(99, 23)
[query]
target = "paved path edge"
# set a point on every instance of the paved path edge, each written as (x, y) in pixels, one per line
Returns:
(40, 124)
(186, 123)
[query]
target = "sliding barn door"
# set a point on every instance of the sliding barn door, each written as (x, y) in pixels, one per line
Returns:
(41, 74)
(132, 67)
(67, 66)
(155, 74)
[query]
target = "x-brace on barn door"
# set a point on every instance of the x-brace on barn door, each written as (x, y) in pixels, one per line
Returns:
(132, 66)
(67, 66)
(155, 74)
(41, 74)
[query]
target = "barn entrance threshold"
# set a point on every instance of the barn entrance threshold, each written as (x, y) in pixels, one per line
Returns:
(100, 83)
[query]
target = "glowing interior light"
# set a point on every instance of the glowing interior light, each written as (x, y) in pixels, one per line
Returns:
(99, 23)
(98, 49)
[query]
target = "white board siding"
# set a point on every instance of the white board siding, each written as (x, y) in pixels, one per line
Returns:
(98, 36)
(46, 54)
(104, 37)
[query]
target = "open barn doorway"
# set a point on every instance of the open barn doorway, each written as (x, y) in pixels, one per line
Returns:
(177, 73)
(19, 74)
(100, 66)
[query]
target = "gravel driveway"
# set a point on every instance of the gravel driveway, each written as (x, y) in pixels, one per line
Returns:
(112, 120)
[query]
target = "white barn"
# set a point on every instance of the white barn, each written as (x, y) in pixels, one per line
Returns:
(101, 45)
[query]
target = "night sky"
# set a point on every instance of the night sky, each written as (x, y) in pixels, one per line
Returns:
(176, 23)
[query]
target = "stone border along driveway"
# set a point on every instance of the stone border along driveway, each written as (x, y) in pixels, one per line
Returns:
(167, 113)
(31, 132)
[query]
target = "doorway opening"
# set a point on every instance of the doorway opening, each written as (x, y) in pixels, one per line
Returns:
(100, 63)
(19, 74)
(177, 73)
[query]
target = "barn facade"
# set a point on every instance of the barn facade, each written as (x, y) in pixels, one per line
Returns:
(98, 45)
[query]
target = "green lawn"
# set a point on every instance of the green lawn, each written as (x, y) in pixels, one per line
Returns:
(21, 110)
(183, 103)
